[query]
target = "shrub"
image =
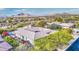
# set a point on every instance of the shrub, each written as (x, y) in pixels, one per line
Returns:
(39, 23)
(54, 26)
(2, 30)
(11, 41)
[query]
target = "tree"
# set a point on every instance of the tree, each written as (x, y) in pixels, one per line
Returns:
(58, 19)
(9, 19)
(71, 19)
(68, 30)
(39, 23)
(54, 26)
(2, 30)
(77, 24)
(50, 20)
(52, 41)
(44, 44)
(11, 29)
(20, 24)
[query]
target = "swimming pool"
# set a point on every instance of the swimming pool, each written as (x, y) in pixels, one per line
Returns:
(74, 46)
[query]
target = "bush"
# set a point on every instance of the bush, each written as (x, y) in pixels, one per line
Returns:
(54, 26)
(20, 25)
(11, 41)
(69, 30)
(11, 29)
(2, 30)
(39, 23)
(58, 19)
(77, 25)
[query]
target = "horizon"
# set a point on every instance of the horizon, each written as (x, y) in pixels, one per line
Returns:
(37, 11)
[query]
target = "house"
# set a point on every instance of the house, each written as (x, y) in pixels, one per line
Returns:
(3, 25)
(67, 25)
(4, 46)
(63, 25)
(32, 33)
(24, 34)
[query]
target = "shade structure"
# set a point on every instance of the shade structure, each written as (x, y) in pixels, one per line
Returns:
(5, 33)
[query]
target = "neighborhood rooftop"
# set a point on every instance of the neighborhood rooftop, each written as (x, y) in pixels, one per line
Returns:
(5, 46)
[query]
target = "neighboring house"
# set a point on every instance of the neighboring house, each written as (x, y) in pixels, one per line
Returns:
(4, 46)
(76, 31)
(67, 25)
(3, 25)
(64, 25)
(32, 33)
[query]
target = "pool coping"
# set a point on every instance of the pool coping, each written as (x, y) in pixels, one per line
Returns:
(71, 43)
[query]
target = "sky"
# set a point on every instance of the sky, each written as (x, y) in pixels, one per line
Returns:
(36, 11)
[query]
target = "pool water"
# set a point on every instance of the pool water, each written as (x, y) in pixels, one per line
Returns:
(74, 46)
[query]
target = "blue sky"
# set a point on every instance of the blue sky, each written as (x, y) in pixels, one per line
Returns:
(36, 11)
